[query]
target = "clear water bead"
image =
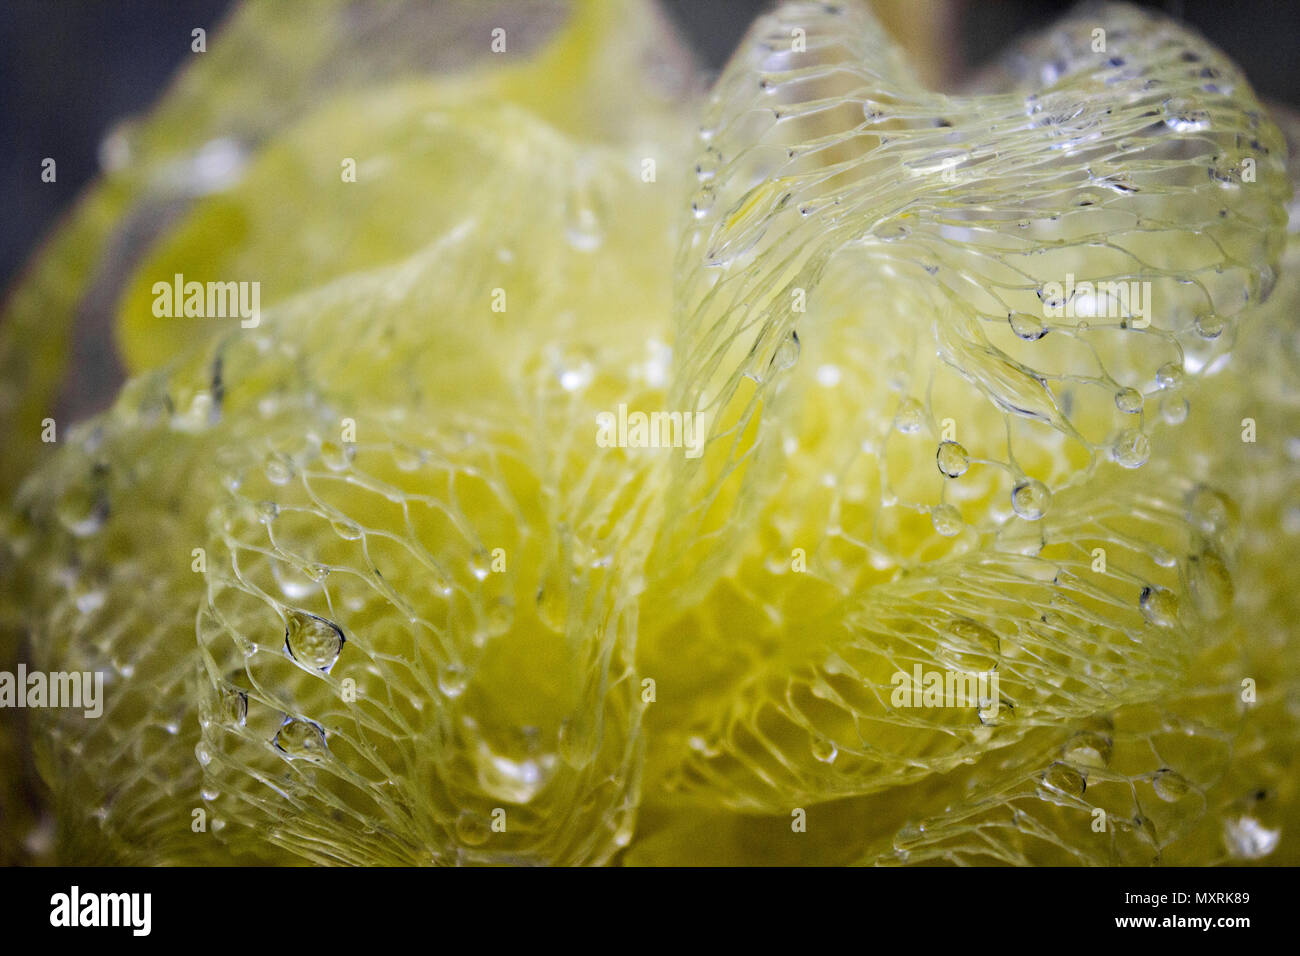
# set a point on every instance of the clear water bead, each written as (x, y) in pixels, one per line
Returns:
(313, 641)
(1184, 116)
(952, 459)
(910, 417)
(1159, 606)
(1128, 400)
(300, 737)
(1131, 448)
(1169, 785)
(1027, 326)
(947, 520)
(1030, 499)
(1063, 778)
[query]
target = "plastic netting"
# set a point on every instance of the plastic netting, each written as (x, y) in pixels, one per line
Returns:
(367, 589)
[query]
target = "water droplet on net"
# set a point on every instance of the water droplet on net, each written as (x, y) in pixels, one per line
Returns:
(1174, 409)
(299, 737)
(337, 456)
(1159, 606)
(824, 750)
(313, 641)
(1030, 499)
(1063, 778)
(1169, 785)
(706, 167)
(952, 459)
(584, 230)
(234, 706)
(970, 646)
(1184, 116)
(1088, 749)
(1131, 448)
(1027, 326)
(278, 471)
(787, 353)
(452, 680)
(82, 511)
(910, 417)
(472, 829)
(1129, 401)
(1169, 375)
(702, 201)
(1209, 510)
(947, 520)
(1209, 326)
(500, 616)
(1210, 584)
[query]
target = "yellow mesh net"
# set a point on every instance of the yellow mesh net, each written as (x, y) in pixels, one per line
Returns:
(973, 374)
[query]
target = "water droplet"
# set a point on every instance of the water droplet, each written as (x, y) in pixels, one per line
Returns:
(82, 511)
(479, 564)
(910, 417)
(452, 680)
(584, 230)
(472, 829)
(89, 601)
(268, 511)
(1184, 116)
(969, 646)
(891, 231)
(1210, 511)
(702, 201)
(1159, 606)
(500, 616)
(1030, 499)
(787, 353)
(947, 520)
(577, 741)
(337, 456)
(1210, 584)
(313, 641)
(1169, 785)
(234, 706)
(1063, 778)
(1247, 839)
(706, 167)
(407, 458)
(702, 747)
(1169, 375)
(278, 470)
(872, 112)
(824, 750)
(1209, 326)
(951, 459)
(1129, 401)
(1027, 326)
(1131, 448)
(300, 737)
(1173, 409)
(553, 603)
(1088, 749)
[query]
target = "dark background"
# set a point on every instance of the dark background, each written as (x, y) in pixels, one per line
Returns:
(69, 69)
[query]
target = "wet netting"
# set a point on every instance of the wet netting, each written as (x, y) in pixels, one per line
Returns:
(997, 385)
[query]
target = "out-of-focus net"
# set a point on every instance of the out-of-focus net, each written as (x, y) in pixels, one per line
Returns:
(427, 600)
